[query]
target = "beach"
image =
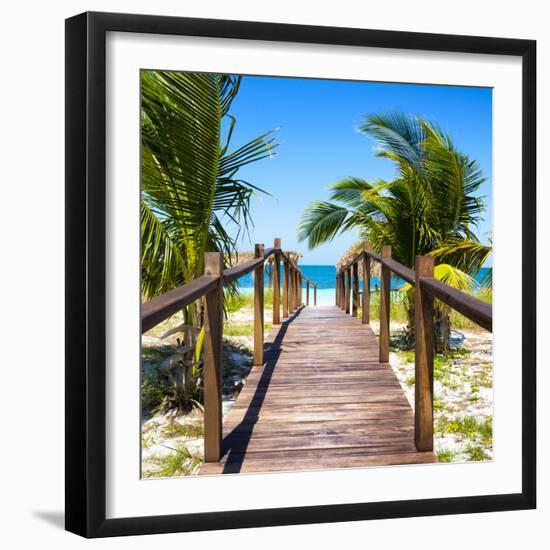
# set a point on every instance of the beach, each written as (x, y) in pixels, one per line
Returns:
(172, 444)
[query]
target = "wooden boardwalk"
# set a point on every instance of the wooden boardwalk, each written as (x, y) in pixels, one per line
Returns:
(321, 400)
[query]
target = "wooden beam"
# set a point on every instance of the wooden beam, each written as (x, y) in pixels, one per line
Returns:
(286, 283)
(398, 269)
(259, 308)
(348, 290)
(291, 293)
(161, 307)
(474, 309)
(298, 289)
(355, 290)
(424, 357)
(213, 330)
(277, 283)
(295, 290)
(294, 285)
(307, 292)
(365, 318)
(385, 280)
(342, 290)
(237, 271)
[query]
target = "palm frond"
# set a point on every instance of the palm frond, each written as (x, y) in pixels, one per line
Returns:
(189, 176)
(468, 256)
(321, 222)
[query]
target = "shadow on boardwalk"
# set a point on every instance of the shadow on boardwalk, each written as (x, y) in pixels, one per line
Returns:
(242, 434)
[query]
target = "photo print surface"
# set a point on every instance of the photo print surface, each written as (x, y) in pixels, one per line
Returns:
(284, 222)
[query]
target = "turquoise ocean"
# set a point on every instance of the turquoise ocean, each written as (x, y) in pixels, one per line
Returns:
(325, 277)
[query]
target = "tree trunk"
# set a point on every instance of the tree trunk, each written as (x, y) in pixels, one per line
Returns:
(409, 329)
(442, 330)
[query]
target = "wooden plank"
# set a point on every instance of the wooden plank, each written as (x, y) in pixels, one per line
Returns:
(401, 427)
(291, 291)
(406, 273)
(290, 442)
(313, 404)
(268, 462)
(355, 293)
(259, 307)
(348, 290)
(474, 309)
(237, 271)
(277, 283)
(385, 279)
(424, 357)
(365, 318)
(161, 307)
(213, 330)
(286, 282)
(296, 400)
(471, 307)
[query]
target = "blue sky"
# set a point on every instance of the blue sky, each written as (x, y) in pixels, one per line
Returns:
(319, 144)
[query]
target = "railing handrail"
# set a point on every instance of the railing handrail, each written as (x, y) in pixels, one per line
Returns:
(426, 289)
(237, 271)
(471, 307)
(161, 307)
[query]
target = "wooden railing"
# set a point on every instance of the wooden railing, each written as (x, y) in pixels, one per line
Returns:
(426, 288)
(211, 287)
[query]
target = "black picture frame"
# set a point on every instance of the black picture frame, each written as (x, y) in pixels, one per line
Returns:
(86, 278)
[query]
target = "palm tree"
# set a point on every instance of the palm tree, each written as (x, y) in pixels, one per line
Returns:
(429, 208)
(192, 198)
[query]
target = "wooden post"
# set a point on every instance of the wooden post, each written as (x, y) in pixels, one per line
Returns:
(307, 292)
(339, 304)
(424, 357)
(355, 293)
(291, 292)
(337, 290)
(296, 288)
(277, 283)
(290, 287)
(286, 283)
(294, 292)
(348, 290)
(259, 308)
(385, 278)
(299, 289)
(296, 303)
(314, 294)
(213, 330)
(343, 290)
(366, 286)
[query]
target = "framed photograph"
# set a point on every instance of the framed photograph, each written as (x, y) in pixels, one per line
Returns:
(300, 274)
